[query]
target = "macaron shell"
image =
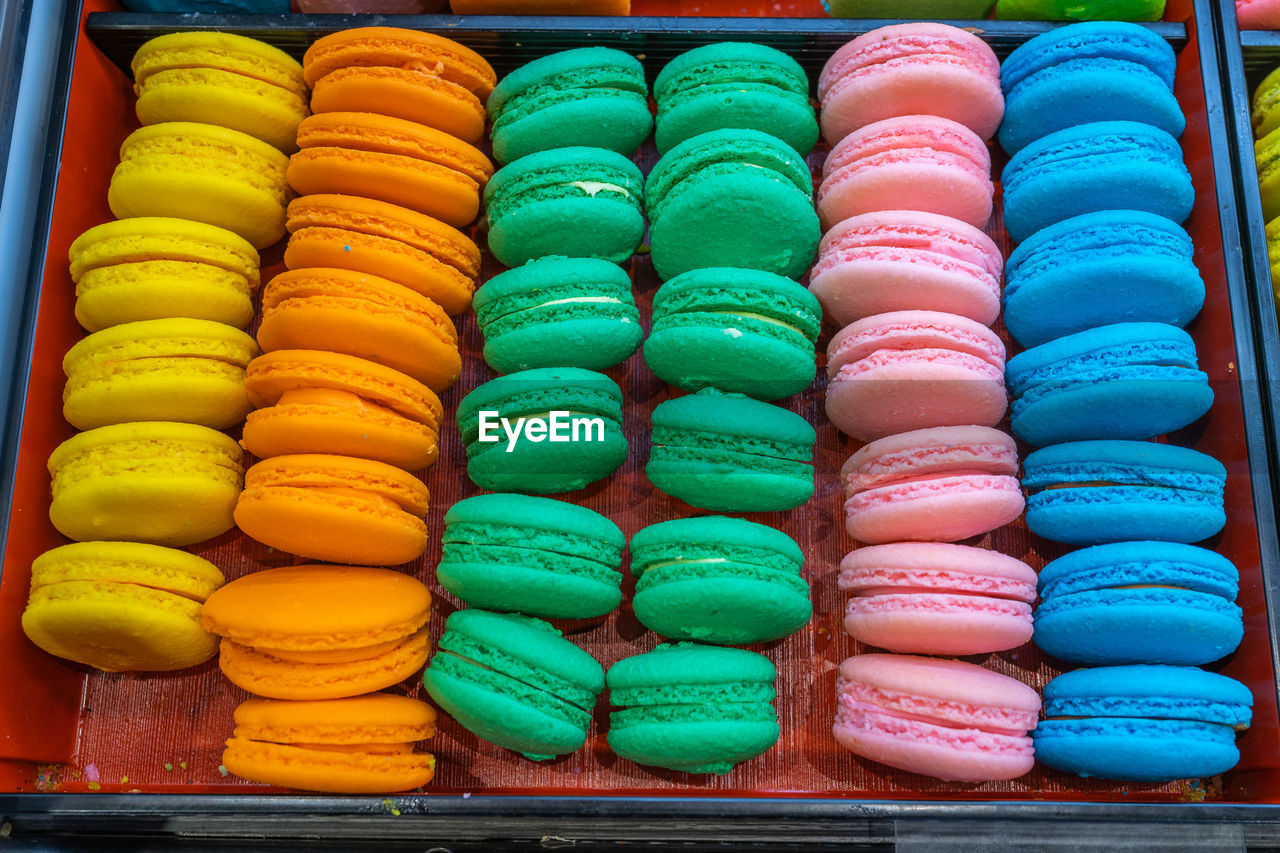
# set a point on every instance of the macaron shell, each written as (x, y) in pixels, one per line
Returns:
(412, 94)
(938, 623)
(939, 509)
(152, 566)
(1143, 750)
(326, 770)
(396, 47)
(750, 605)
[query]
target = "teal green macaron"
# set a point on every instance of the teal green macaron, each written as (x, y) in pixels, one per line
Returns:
(593, 96)
(731, 453)
(719, 580)
(514, 681)
(558, 312)
(578, 201)
(734, 84)
(691, 708)
(741, 330)
(536, 556)
(551, 429)
(731, 198)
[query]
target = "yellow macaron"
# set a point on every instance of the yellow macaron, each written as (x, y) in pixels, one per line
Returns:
(223, 79)
(121, 606)
(152, 267)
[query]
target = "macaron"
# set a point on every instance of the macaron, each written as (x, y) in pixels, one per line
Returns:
(731, 453)
(1265, 105)
(942, 718)
(1080, 10)
(691, 708)
(356, 745)
(934, 598)
(1143, 723)
(939, 485)
(1267, 154)
(1258, 14)
(741, 330)
(537, 556)
(154, 481)
(337, 508)
(152, 267)
(223, 79)
(731, 198)
(416, 76)
(175, 369)
(514, 681)
(921, 162)
(390, 159)
(911, 69)
(363, 315)
(951, 10)
(1107, 165)
(320, 632)
(1139, 602)
(536, 206)
(589, 96)
(558, 312)
(1112, 266)
(550, 429)
(719, 580)
(121, 606)
(1083, 73)
(1126, 380)
(909, 370)
(205, 173)
(394, 243)
(906, 260)
(309, 401)
(1092, 492)
(734, 85)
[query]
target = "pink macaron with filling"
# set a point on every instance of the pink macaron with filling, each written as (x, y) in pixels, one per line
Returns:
(932, 485)
(910, 162)
(942, 718)
(932, 598)
(907, 370)
(911, 69)
(903, 260)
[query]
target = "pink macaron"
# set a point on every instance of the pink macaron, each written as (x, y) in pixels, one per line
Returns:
(905, 260)
(1258, 14)
(911, 69)
(942, 718)
(932, 598)
(932, 485)
(906, 370)
(909, 162)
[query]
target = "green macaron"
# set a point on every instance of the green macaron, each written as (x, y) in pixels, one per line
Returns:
(731, 198)
(739, 330)
(734, 84)
(593, 96)
(551, 429)
(696, 709)
(731, 453)
(719, 580)
(577, 201)
(514, 681)
(532, 555)
(558, 312)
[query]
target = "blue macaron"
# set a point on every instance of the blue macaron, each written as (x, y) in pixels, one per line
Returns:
(1106, 165)
(1112, 266)
(1082, 73)
(1127, 380)
(1139, 602)
(1144, 723)
(1091, 492)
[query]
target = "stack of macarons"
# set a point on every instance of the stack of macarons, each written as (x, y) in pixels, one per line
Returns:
(1265, 111)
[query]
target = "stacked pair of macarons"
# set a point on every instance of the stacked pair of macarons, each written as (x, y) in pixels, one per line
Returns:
(1265, 112)
(315, 644)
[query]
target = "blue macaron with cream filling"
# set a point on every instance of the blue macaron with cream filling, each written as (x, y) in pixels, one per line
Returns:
(1139, 602)
(1144, 723)
(1127, 380)
(1088, 72)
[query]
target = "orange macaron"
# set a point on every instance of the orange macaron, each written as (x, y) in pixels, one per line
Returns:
(386, 240)
(393, 47)
(363, 315)
(337, 508)
(320, 632)
(390, 159)
(309, 401)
